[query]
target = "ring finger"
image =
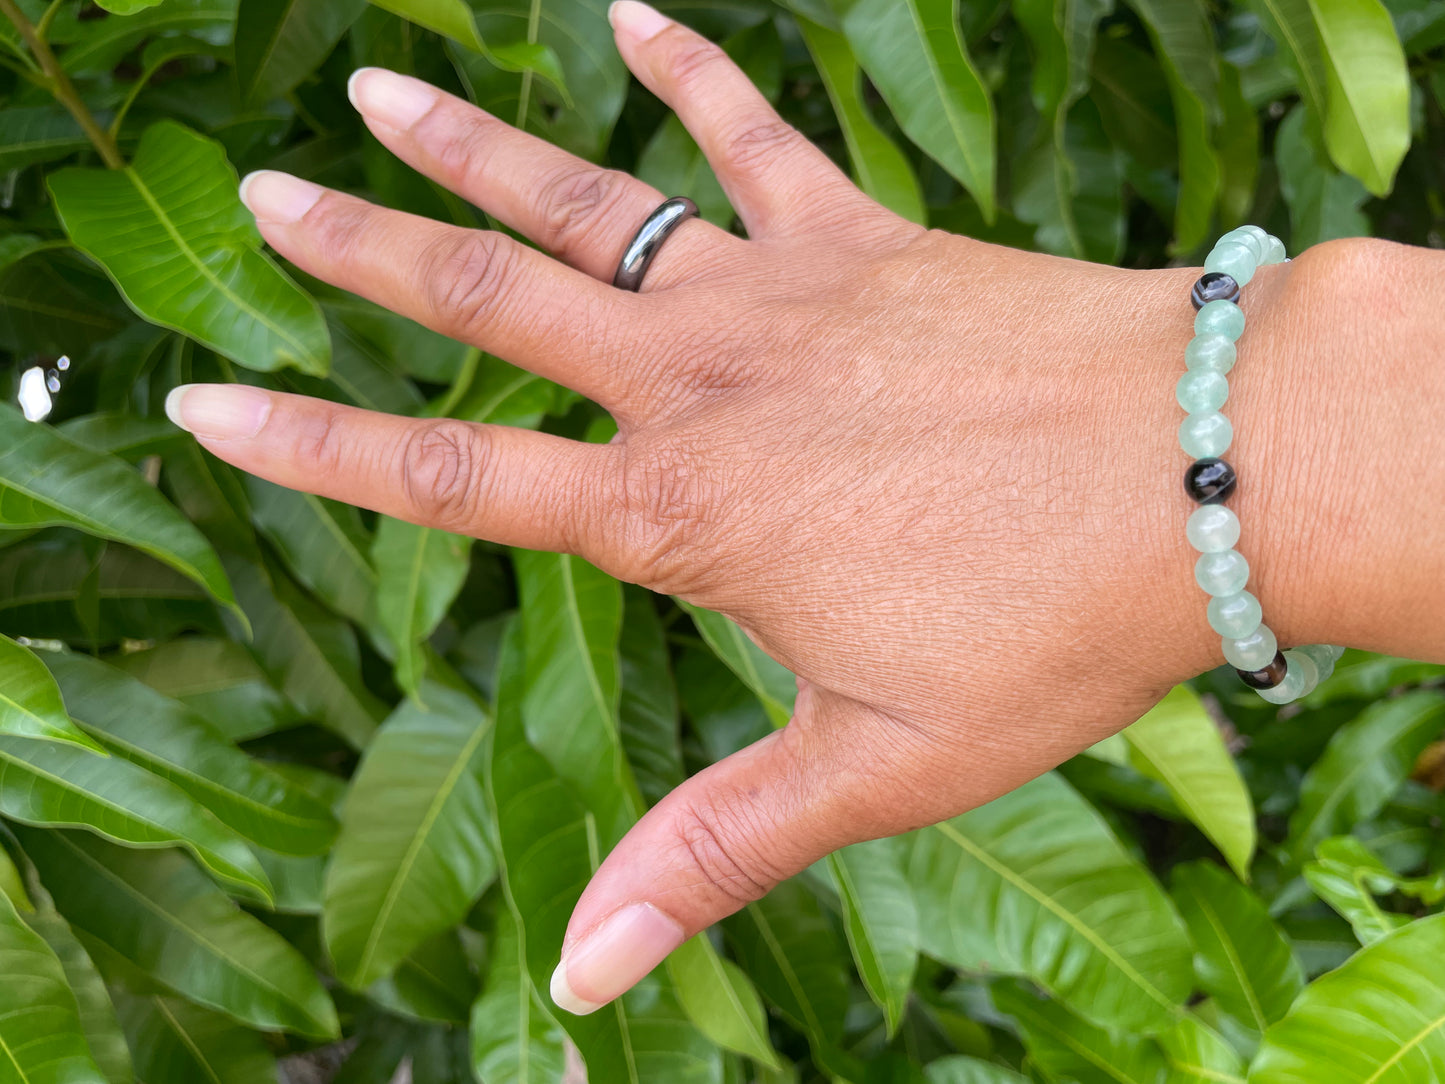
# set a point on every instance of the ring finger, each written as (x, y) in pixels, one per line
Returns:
(581, 212)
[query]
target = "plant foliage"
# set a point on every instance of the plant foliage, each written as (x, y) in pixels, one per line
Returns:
(281, 780)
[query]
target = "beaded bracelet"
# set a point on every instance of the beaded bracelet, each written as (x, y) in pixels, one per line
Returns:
(1249, 645)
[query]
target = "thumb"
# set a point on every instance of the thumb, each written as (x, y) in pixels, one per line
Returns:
(725, 838)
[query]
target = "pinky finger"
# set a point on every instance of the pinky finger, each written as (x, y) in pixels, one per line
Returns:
(511, 486)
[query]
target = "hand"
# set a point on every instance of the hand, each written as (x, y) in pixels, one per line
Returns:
(935, 478)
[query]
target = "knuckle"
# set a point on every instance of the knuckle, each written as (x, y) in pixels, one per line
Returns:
(335, 226)
(668, 507)
(574, 202)
(758, 141)
(459, 145)
(694, 63)
(444, 467)
(318, 443)
(465, 279)
(712, 842)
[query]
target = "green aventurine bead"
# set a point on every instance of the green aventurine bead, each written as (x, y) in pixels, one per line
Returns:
(1212, 528)
(1211, 351)
(1201, 391)
(1308, 670)
(1220, 318)
(1205, 435)
(1221, 573)
(1291, 688)
(1251, 237)
(1252, 652)
(1233, 258)
(1274, 250)
(1235, 615)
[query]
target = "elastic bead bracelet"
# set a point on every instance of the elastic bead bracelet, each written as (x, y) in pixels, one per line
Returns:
(1249, 645)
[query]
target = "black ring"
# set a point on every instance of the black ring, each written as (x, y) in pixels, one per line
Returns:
(644, 246)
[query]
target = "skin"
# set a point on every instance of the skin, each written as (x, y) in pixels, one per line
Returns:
(937, 479)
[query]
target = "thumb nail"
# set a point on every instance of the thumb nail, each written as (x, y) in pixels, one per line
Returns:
(613, 957)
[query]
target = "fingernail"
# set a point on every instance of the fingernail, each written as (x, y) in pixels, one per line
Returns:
(218, 411)
(398, 101)
(611, 959)
(637, 20)
(278, 197)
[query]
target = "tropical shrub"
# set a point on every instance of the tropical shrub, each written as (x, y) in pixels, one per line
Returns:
(275, 772)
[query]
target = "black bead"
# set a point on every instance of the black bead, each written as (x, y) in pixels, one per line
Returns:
(1209, 481)
(1267, 678)
(1214, 286)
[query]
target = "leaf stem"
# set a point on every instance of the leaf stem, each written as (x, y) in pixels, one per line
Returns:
(61, 87)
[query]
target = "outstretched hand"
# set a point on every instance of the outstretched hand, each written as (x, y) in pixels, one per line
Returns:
(935, 478)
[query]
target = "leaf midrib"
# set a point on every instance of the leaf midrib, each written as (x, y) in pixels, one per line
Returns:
(1235, 963)
(1103, 947)
(186, 1040)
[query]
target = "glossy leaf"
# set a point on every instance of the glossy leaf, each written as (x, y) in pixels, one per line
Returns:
(176, 1042)
(454, 19)
(174, 236)
(322, 543)
(881, 169)
(163, 916)
(413, 854)
(1364, 764)
(419, 573)
(47, 480)
(30, 704)
(61, 784)
(312, 657)
(1178, 744)
(1196, 1054)
(571, 621)
(960, 1069)
(1243, 960)
(281, 42)
(1067, 1047)
(1324, 203)
(1035, 883)
(720, 1000)
(881, 921)
(31, 134)
(40, 1032)
(136, 722)
(514, 1038)
(1367, 90)
(648, 709)
(435, 983)
(774, 686)
(1348, 875)
(914, 54)
(1380, 1017)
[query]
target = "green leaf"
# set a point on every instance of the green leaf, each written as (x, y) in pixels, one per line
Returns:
(787, 945)
(1348, 875)
(914, 53)
(961, 1069)
(721, 1001)
(648, 709)
(1237, 143)
(413, 855)
(162, 915)
(49, 304)
(172, 233)
(571, 621)
(281, 42)
(176, 1042)
(454, 19)
(97, 1013)
(1067, 1047)
(161, 735)
(1380, 1017)
(1243, 960)
(547, 855)
(1197, 1054)
(31, 134)
(49, 481)
(434, 983)
(125, 435)
(514, 1038)
(217, 679)
(60, 784)
(40, 1034)
(881, 169)
(310, 655)
(1071, 187)
(881, 921)
(673, 162)
(420, 572)
(1178, 744)
(1362, 767)
(1323, 203)
(322, 543)
(126, 7)
(1367, 90)
(30, 704)
(1034, 883)
(773, 684)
